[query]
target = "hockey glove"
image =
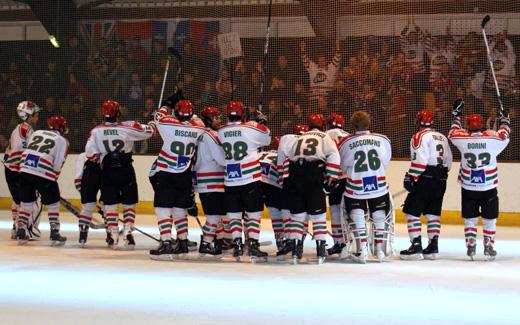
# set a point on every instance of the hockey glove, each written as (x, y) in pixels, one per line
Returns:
(409, 183)
(504, 120)
(173, 99)
(261, 118)
(457, 108)
(330, 185)
(193, 210)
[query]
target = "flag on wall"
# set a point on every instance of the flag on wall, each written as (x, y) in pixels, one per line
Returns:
(92, 32)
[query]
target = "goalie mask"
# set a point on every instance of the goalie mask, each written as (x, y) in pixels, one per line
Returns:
(26, 109)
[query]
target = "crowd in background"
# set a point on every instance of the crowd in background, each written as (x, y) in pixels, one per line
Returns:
(389, 77)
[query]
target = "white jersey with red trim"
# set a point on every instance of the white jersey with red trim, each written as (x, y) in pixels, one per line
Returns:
(284, 150)
(479, 151)
(17, 144)
(209, 175)
(438, 58)
(337, 135)
(321, 79)
(316, 145)
(241, 142)
(45, 154)
(364, 157)
(110, 137)
(80, 164)
(268, 162)
(429, 148)
(505, 66)
(414, 53)
(179, 143)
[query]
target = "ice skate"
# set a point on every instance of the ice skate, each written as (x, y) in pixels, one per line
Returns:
(226, 244)
(297, 252)
(13, 232)
(431, 251)
(206, 248)
(321, 251)
(472, 251)
(22, 236)
(113, 237)
(279, 244)
(192, 245)
(414, 253)
(129, 242)
(164, 252)
(254, 252)
(361, 256)
(489, 252)
(181, 248)
(336, 249)
(56, 238)
(238, 249)
(287, 247)
(380, 255)
(83, 235)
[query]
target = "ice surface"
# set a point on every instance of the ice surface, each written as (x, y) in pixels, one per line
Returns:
(70, 285)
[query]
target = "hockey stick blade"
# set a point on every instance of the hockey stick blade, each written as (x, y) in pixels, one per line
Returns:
(485, 21)
(76, 212)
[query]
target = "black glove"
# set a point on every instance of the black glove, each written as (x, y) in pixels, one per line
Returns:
(330, 185)
(504, 120)
(193, 210)
(409, 183)
(457, 108)
(261, 118)
(173, 99)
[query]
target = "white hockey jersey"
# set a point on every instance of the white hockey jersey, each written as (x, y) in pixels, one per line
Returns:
(179, 143)
(317, 145)
(429, 148)
(209, 175)
(45, 154)
(479, 151)
(321, 79)
(80, 163)
(337, 135)
(364, 157)
(241, 142)
(284, 150)
(414, 54)
(109, 137)
(504, 64)
(17, 144)
(439, 57)
(268, 162)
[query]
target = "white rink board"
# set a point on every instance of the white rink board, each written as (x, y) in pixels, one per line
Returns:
(508, 183)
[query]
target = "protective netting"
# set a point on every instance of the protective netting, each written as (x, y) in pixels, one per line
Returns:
(390, 64)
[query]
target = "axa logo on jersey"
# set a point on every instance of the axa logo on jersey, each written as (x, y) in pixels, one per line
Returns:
(370, 184)
(478, 176)
(233, 171)
(32, 161)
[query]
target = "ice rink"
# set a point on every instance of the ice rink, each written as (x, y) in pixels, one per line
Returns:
(69, 285)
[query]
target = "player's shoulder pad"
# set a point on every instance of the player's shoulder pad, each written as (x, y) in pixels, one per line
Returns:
(459, 133)
(198, 123)
(24, 129)
(380, 135)
(169, 120)
(257, 126)
(417, 138)
(213, 135)
(345, 139)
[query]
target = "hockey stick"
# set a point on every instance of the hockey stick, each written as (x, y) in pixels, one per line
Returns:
(264, 60)
(485, 21)
(171, 53)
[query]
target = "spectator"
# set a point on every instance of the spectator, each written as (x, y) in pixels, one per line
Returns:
(76, 91)
(50, 108)
(120, 77)
(51, 81)
(223, 87)
(134, 98)
(208, 97)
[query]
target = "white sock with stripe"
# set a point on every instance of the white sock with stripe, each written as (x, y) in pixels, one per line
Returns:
(335, 223)
(253, 225)
(53, 211)
(128, 216)
(470, 231)
(235, 224)
(165, 223)
(297, 226)
(112, 216)
(210, 227)
(489, 227)
(181, 222)
(319, 226)
(85, 217)
(24, 213)
(14, 211)
(414, 226)
(227, 228)
(379, 217)
(434, 225)
(286, 218)
(277, 222)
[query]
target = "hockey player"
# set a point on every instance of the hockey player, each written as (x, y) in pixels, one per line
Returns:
(28, 112)
(40, 168)
(426, 183)
(314, 158)
(335, 124)
(112, 143)
(364, 156)
(284, 149)
(478, 175)
(174, 188)
(209, 181)
(272, 190)
(240, 142)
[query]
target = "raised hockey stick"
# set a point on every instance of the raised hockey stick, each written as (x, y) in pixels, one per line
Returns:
(485, 21)
(264, 60)
(171, 53)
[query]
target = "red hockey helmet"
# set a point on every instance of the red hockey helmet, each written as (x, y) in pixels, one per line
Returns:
(317, 121)
(111, 108)
(424, 117)
(210, 112)
(184, 109)
(275, 143)
(335, 121)
(300, 129)
(58, 123)
(235, 108)
(474, 122)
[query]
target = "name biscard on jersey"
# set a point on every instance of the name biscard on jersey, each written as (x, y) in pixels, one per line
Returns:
(32, 161)
(370, 184)
(233, 171)
(478, 176)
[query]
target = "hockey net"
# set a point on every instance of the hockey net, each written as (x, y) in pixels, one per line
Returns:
(389, 58)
